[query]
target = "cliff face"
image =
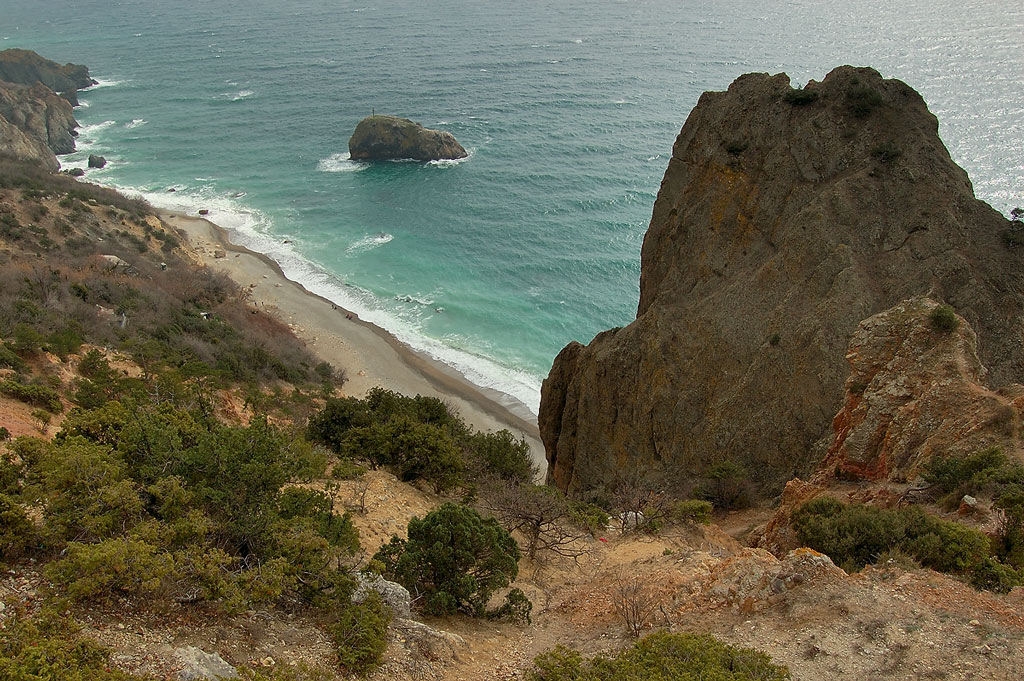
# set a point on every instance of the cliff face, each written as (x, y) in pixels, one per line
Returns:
(41, 113)
(785, 218)
(916, 392)
(389, 137)
(23, 147)
(26, 68)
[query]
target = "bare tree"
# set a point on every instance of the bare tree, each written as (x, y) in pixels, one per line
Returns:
(635, 604)
(540, 514)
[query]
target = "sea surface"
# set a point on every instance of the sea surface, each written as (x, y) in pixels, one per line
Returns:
(569, 110)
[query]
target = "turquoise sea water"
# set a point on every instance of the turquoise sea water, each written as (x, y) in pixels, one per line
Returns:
(569, 110)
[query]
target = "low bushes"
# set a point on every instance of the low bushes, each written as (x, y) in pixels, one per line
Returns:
(360, 635)
(420, 438)
(681, 657)
(855, 535)
(36, 395)
(454, 558)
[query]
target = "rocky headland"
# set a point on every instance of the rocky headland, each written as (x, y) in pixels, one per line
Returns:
(383, 137)
(37, 123)
(785, 218)
(25, 67)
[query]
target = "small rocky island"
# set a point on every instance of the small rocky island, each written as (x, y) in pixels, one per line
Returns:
(389, 137)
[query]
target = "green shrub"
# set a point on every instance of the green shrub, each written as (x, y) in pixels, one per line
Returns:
(944, 319)
(454, 558)
(587, 516)
(88, 496)
(516, 608)
(26, 339)
(124, 566)
(10, 359)
(863, 100)
(51, 647)
(692, 512)
(331, 425)
(360, 635)
(36, 395)
(16, 530)
(726, 484)
(4, 434)
(801, 96)
(346, 469)
(501, 454)
(662, 656)
(856, 535)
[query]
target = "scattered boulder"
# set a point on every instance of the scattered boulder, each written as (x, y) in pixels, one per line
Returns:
(96, 161)
(204, 211)
(199, 665)
(755, 579)
(389, 137)
(777, 229)
(392, 594)
(76, 172)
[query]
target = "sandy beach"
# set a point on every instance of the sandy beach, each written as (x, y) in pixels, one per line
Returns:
(369, 355)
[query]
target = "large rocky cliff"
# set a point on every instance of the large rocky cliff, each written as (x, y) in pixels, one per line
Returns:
(40, 113)
(785, 218)
(35, 122)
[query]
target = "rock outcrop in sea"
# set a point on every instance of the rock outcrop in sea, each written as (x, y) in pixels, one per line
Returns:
(786, 216)
(389, 137)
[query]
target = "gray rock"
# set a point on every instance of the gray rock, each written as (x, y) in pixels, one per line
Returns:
(390, 137)
(778, 227)
(393, 595)
(198, 665)
(96, 161)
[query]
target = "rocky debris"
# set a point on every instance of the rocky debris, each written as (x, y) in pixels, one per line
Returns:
(26, 67)
(916, 392)
(198, 665)
(96, 161)
(756, 579)
(76, 172)
(114, 262)
(390, 137)
(781, 223)
(392, 594)
(427, 643)
(778, 536)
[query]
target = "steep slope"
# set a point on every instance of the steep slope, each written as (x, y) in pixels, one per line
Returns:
(785, 217)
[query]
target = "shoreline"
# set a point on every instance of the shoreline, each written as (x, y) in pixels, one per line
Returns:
(369, 354)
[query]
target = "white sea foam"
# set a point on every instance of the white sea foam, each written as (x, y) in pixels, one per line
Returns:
(82, 103)
(253, 229)
(369, 242)
(90, 130)
(105, 82)
(339, 163)
(135, 123)
(242, 94)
